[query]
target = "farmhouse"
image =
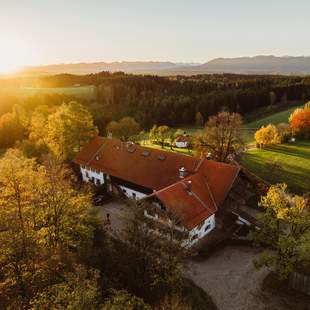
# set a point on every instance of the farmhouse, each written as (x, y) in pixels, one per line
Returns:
(190, 189)
(183, 141)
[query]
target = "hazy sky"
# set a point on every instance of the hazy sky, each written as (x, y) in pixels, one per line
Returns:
(54, 31)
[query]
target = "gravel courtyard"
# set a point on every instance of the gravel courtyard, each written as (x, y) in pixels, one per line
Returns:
(230, 278)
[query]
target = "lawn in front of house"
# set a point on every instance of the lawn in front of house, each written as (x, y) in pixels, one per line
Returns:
(288, 163)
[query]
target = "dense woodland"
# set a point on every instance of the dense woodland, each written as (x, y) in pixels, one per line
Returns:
(166, 100)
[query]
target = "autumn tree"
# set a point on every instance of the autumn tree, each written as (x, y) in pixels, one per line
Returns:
(17, 237)
(284, 229)
(123, 300)
(11, 130)
(78, 290)
(43, 221)
(267, 135)
(222, 136)
(124, 129)
(69, 128)
(38, 126)
(300, 123)
(284, 131)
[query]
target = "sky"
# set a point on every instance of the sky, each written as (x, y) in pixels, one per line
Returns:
(34, 32)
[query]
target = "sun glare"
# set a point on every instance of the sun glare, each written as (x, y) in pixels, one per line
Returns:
(14, 54)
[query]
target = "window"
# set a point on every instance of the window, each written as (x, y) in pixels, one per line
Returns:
(207, 227)
(134, 195)
(97, 182)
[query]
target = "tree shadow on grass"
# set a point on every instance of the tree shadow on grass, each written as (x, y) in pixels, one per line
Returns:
(285, 149)
(296, 177)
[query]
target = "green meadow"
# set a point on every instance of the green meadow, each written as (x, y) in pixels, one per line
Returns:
(285, 163)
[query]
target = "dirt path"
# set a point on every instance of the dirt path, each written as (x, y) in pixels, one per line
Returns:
(231, 280)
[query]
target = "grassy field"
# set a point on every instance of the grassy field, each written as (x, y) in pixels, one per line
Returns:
(293, 162)
(87, 92)
(274, 118)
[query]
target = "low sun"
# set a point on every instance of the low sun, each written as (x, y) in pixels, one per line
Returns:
(14, 54)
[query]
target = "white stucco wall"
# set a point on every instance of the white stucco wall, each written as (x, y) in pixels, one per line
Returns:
(129, 193)
(88, 174)
(181, 144)
(202, 232)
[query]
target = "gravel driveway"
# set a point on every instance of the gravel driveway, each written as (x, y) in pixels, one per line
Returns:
(230, 278)
(120, 214)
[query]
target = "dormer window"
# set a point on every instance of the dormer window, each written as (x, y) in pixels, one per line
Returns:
(97, 157)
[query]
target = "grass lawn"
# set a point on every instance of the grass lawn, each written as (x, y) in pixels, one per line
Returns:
(147, 143)
(293, 160)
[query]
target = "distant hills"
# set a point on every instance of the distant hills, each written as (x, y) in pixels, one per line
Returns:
(242, 65)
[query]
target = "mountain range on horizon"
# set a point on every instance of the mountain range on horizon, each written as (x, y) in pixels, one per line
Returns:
(287, 65)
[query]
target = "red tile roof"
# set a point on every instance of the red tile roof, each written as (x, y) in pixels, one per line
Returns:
(159, 171)
(209, 188)
(183, 138)
(151, 168)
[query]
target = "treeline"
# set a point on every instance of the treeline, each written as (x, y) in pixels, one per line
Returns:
(174, 100)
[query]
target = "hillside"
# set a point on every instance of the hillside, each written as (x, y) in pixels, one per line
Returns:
(242, 65)
(258, 65)
(137, 67)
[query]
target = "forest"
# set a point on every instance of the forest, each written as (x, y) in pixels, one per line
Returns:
(150, 100)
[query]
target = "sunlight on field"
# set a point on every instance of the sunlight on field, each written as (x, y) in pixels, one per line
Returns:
(292, 160)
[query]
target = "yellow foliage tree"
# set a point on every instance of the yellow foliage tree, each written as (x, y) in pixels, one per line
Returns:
(68, 129)
(268, 135)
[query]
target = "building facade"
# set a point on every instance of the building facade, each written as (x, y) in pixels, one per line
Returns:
(189, 189)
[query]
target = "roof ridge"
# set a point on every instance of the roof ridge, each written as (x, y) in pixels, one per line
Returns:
(211, 194)
(99, 149)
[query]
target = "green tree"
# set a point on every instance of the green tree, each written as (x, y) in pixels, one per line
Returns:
(153, 135)
(69, 128)
(163, 134)
(285, 226)
(222, 136)
(124, 129)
